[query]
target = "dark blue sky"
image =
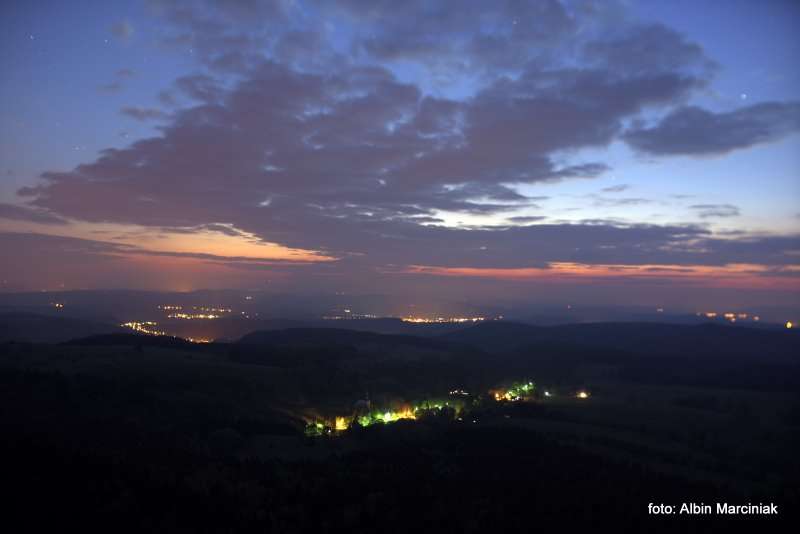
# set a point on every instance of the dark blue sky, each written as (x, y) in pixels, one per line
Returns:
(369, 144)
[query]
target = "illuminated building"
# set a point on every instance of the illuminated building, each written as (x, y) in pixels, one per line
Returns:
(341, 423)
(517, 391)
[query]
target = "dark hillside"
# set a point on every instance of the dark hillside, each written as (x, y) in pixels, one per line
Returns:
(724, 342)
(26, 327)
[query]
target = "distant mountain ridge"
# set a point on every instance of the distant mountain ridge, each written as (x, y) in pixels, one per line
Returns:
(132, 339)
(339, 336)
(35, 328)
(653, 338)
(686, 342)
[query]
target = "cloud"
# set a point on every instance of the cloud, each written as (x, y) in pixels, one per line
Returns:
(695, 131)
(24, 213)
(122, 30)
(508, 254)
(144, 114)
(118, 83)
(616, 188)
(650, 48)
(436, 34)
(616, 202)
(353, 145)
(89, 247)
(225, 229)
(526, 218)
(291, 139)
(112, 87)
(86, 263)
(706, 211)
(227, 36)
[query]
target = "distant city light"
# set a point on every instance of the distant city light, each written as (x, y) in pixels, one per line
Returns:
(350, 316)
(413, 319)
(583, 395)
(730, 316)
(789, 324)
(192, 316)
(144, 327)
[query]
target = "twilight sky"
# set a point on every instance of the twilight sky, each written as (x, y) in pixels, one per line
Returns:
(629, 152)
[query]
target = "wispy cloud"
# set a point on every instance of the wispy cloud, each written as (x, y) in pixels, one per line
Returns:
(706, 211)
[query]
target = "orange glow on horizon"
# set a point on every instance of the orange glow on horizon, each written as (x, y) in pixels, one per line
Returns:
(731, 275)
(246, 246)
(233, 244)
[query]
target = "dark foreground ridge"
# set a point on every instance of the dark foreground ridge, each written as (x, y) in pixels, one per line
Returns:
(131, 432)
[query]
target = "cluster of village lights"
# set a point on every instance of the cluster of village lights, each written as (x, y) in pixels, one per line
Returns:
(150, 328)
(733, 317)
(729, 316)
(442, 319)
(198, 312)
(193, 316)
(518, 391)
(144, 327)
